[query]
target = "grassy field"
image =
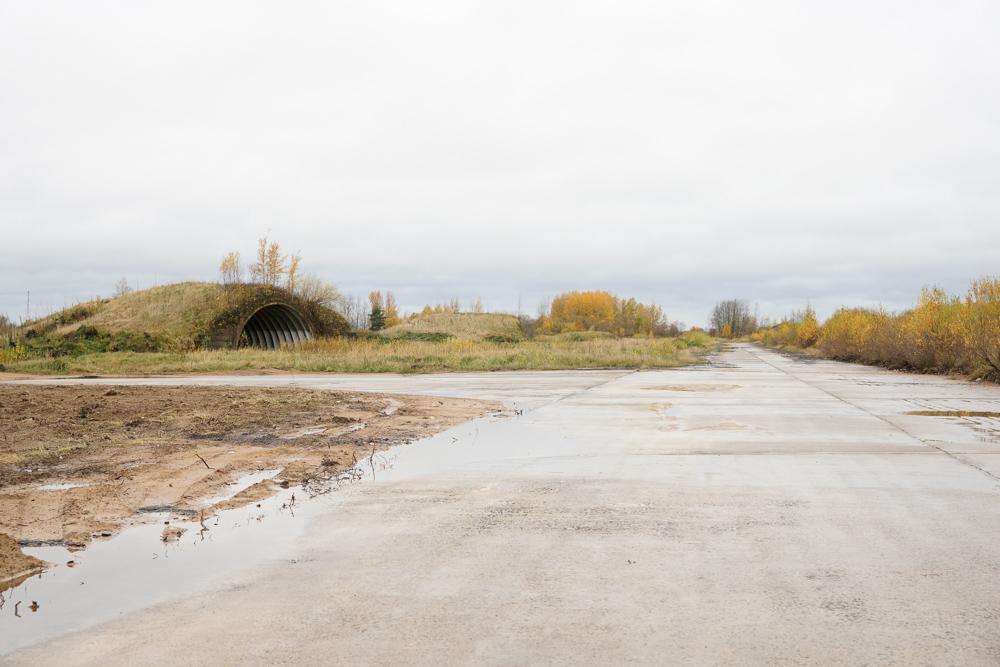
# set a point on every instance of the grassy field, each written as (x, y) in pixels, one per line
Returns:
(351, 355)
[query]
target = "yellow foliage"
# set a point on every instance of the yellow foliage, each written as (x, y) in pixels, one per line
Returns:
(940, 332)
(391, 310)
(808, 331)
(601, 311)
(292, 276)
(313, 288)
(450, 307)
(270, 264)
(983, 305)
(13, 353)
(231, 271)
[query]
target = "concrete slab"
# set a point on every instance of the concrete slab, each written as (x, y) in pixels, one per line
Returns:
(792, 516)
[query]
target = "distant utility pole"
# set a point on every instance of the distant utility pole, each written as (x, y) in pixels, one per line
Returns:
(27, 309)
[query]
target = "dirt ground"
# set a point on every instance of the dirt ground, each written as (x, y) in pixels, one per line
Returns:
(79, 463)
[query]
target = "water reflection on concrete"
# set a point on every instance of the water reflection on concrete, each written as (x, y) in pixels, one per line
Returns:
(137, 568)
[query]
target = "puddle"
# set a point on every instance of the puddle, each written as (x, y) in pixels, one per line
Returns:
(984, 432)
(952, 413)
(61, 487)
(137, 568)
(242, 484)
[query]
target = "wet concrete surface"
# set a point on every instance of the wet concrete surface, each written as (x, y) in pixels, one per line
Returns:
(760, 510)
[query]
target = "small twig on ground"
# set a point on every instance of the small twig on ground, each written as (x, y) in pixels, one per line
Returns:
(204, 461)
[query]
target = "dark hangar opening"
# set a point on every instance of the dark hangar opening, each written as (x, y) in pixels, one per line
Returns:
(273, 326)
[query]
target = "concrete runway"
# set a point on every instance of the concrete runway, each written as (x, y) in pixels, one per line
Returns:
(762, 510)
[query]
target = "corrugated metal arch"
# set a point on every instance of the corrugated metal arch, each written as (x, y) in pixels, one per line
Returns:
(272, 326)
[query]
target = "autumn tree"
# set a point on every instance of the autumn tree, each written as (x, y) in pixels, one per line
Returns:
(231, 269)
(293, 276)
(391, 310)
(983, 307)
(808, 332)
(580, 311)
(313, 288)
(270, 264)
(633, 318)
(451, 306)
(601, 311)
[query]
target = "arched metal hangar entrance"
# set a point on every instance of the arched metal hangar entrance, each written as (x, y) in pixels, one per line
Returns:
(272, 326)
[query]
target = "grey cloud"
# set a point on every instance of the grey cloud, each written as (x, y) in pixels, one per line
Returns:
(682, 153)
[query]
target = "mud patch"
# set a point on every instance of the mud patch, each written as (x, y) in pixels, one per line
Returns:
(15, 566)
(80, 463)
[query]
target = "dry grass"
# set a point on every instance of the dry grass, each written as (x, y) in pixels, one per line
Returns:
(180, 316)
(175, 311)
(574, 336)
(372, 356)
(472, 326)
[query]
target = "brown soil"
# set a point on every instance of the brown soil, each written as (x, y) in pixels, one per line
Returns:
(134, 451)
(15, 567)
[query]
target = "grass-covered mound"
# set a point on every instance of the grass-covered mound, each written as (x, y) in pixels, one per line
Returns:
(495, 327)
(179, 316)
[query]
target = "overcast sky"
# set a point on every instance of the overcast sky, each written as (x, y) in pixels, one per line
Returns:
(844, 152)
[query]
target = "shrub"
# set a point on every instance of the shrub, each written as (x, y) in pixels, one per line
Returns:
(940, 333)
